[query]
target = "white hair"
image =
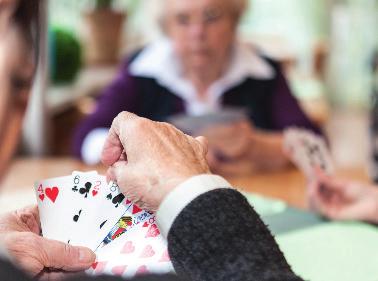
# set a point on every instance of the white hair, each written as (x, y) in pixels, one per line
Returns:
(236, 8)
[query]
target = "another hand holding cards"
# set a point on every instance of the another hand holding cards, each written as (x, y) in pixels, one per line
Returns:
(84, 210)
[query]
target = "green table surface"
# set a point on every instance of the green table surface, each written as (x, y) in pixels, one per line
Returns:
(320, 250)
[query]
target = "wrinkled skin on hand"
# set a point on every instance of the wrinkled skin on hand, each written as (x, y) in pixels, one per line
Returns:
(39, 257)
(148, 159)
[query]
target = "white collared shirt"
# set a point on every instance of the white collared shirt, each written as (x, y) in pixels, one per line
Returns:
(159, 61)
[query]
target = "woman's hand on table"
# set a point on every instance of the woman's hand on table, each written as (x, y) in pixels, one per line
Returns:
(239, 148)
(37, 256)
(342, 199)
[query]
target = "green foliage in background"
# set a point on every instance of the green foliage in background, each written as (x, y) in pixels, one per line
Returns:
(65, 56)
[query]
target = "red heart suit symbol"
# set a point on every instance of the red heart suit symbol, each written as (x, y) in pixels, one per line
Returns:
(147, 252)
(52, 193)
(99, 267)
(94, 265)
(94, 192)
(142, 270)
(153, 231)
(41, 196)
(136, 209)
(128, 248)
(119, 270)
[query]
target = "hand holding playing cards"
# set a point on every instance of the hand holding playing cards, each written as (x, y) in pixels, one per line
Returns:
(148, 159)
(343, 200)
(239, 148)
(20, 234)
(229, 140)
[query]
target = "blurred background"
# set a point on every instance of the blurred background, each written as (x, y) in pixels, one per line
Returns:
(328, 51)
(327, 48)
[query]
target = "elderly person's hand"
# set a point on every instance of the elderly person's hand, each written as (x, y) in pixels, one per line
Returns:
(343, 200)
(37, 256)
(148, 159)
(239, 148)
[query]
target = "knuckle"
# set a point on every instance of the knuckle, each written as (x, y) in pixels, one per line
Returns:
(122, 115)
(138, 124)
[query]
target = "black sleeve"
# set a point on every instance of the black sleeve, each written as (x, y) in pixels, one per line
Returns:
(219, 236)
(165, 277)
(9, 273)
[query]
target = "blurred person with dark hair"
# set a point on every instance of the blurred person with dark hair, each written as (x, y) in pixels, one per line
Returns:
(20, 239)
(200, 67)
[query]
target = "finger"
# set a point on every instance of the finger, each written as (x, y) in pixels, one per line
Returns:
(330, 183)
(110, 176)
(320, 203)
(124, 176)
(114, 146)
(204, 144)
(315, 197)
(30, 217)
(58, 255)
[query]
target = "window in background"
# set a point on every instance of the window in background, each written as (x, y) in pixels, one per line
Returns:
(354, 37)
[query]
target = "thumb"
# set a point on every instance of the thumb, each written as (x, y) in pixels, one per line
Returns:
(204, 144)
(66, 257)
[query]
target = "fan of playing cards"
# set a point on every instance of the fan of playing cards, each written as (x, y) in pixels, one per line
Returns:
(308, 151)
(84, 210)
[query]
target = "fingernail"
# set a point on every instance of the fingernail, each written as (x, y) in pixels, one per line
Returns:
(86, 255)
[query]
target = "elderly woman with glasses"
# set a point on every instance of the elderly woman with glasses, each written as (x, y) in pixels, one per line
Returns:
(200, 67)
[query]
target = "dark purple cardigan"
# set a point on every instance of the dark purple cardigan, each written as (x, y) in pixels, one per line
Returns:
(270, 103)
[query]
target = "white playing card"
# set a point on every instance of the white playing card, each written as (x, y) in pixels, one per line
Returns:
(307, 151)
(98, 215)
(141, 250)
(54, 200)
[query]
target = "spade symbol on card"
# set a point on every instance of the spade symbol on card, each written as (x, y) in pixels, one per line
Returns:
(85, 190)
(118, 200)
(76, 217)
(109, 196)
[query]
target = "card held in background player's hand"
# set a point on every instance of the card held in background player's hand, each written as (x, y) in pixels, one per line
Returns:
(307, 151)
